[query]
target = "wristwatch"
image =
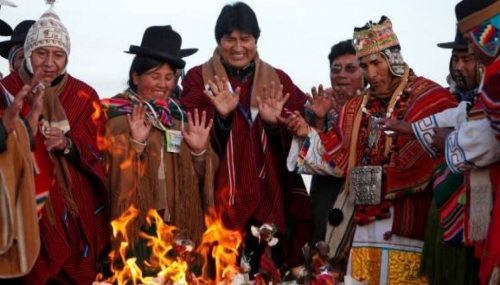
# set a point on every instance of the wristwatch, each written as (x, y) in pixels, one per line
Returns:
(67, 149)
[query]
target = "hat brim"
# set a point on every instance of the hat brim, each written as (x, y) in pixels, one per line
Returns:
(5, 47)
(175, 61)
(5, 29)
(453, 45)
(187, 52)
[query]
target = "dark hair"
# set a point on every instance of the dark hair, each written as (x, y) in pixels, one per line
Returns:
(341, 48)
(236, 17)
(140, 65)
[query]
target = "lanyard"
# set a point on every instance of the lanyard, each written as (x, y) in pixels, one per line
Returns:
(246, 113)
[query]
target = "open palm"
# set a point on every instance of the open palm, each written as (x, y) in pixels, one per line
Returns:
(321, 101)
(197, 136)
(271, 103)
(139, 126)
(221, 96)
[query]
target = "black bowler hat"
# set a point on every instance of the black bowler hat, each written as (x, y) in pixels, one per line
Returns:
(18, 37)
(471, 13)
(164, 44)
(460, 43)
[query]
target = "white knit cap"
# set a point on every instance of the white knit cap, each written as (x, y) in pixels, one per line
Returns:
(48, 31)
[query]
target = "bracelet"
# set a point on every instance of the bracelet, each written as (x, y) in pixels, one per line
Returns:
(138, 142)
(200, 153)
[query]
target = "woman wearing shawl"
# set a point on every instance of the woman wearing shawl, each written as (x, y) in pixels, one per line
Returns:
(158, 157)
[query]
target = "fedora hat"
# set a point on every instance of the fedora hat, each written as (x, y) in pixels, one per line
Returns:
(460, 43)
(18, 37)
(164, 44)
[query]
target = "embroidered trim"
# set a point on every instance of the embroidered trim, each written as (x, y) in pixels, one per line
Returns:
(455, 155)
(424, 131)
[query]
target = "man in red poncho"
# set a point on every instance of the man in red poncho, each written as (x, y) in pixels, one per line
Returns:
(252, 184)
(71, 198)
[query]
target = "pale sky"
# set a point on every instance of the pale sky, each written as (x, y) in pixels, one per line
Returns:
(296, 35)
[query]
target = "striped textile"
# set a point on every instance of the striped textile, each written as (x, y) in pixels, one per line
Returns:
(71, 246)
(410, 169)
(450, 196)
(490, 95)
(160, 109)
(252, 180)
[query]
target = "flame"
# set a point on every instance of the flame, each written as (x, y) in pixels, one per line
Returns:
(223, 245)
(169, 257)
(97, 111)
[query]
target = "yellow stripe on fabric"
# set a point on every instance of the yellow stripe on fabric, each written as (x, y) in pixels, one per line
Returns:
(404, 267)
(365, 264)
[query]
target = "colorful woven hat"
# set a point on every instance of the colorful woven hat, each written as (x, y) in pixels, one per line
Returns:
(472, 13)
(374, 37)
(380, 38)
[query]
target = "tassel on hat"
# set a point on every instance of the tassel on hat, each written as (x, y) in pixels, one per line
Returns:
(48, 31)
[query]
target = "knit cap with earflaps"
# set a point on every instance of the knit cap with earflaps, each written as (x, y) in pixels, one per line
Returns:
(48, 31)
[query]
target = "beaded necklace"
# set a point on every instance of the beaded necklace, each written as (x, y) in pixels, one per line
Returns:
(371, 142)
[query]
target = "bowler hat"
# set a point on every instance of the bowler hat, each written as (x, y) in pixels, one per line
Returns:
(460, 43)
(18, 37)
(164, 44)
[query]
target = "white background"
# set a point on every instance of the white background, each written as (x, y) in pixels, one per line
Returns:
(296, 36)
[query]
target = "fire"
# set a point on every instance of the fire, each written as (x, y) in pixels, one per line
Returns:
(222, 244)
(97, 111)
(171, 257)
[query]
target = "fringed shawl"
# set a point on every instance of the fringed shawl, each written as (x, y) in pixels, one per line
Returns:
(133, 179)
(20, 242)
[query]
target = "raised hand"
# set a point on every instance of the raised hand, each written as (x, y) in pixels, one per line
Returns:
(340, 96)
(321, 101)
(10, 116)
(138, 124)
(197, 136)
(224, 101)
(271, 103)
(295, 124)
(34, 116)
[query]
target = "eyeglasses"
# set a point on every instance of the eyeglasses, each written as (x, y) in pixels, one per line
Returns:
(337, 68)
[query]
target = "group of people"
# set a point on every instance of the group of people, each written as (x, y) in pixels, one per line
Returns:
(405, 171)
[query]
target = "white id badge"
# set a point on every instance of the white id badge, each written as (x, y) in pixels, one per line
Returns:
(174, 140)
